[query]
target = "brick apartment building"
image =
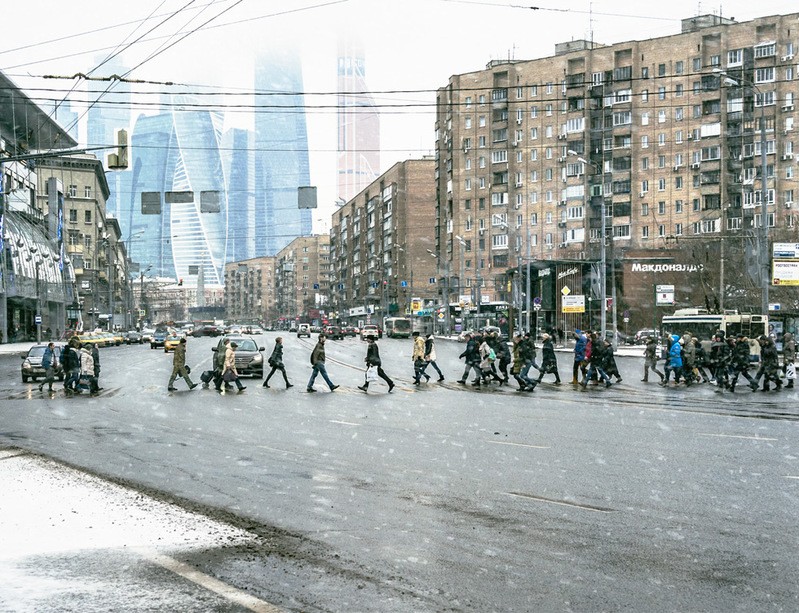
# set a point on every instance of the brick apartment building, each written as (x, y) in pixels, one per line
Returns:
(382, 247)
(663, 136)
(250, 290)
(302, 280)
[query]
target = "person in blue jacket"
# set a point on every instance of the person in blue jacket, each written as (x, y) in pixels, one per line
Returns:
(581, 341)
(674, 362)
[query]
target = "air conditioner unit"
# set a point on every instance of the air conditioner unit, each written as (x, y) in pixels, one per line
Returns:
(677, 167)
(786, 58)
(787, 107)
(562, 246)
(642, 194)
(561, 160)
(519, 184)
(690, 136)
(562, 136)
(787, 156)
(788, 205)
(695, 165)
(518, 122)
(550, 246)
(564, 202)
(466, 149)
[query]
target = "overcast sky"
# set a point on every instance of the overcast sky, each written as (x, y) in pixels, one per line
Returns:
(411, 45)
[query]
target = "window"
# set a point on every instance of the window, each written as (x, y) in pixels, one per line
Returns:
(735, 57)
(467, 204)
(481, 183)
(678, 206)
(87, 216)
(765, 99)
(661, 139)
(548, 174)
(548, 110)
(661, 208)
(533, 90)
(644, 142)
(499, 199)
(644, 186)
(87, 191)
(678, 229)
(481, 121)
(468, 102)
(520, 92)
(661, 70)
(661, 184)
(499, 156)
(468, 165)
(764, 75)
(644, 118)
(549, 88)
(533, 112)
(621, 232)
(533, 133)
(73, 215)
(661, 93)
(533, 219)
(715, 60)
(678, 182)
(499, 219)
(661, 161)
(548, 132)
(662, 116)
(72, 191)
(679, 67)
(623, 118)
(644, 210)
(696, 64)
(644, 72)
(467, 185)
(765, 50)
(644, 163)
(481, 142)
(499, 241)
(87, 242)
(645, 95)
(645, 232)
(679, 89)
(678, 113)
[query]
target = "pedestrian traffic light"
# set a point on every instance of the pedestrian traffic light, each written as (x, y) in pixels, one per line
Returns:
(180, 281)
(119, 160)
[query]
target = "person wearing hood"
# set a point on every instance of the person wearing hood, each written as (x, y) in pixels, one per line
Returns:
(87, 368)
(674, 361)
(770, 368)
(549, 361)
(580, 345)
(472, 356)
(720, 359)
(740, 363)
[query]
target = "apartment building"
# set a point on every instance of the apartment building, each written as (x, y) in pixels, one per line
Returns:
(382, 247)
(302, 280)
(627, 153)
(250, 290)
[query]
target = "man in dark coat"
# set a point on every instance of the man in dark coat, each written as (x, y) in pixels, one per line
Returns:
(549, 361)
(740, 363)
(770, 366)
(373, 359)
(318, 364)
(472, 356)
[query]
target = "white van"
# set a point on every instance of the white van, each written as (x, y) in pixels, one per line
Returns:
(304, 330)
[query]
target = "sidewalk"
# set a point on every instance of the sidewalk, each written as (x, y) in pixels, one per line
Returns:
(74, 542)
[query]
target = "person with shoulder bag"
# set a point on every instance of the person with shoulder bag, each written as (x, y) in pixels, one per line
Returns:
(374, 364)
(276, 363)
(229, 372)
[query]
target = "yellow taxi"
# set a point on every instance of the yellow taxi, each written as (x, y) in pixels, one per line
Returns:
(171, 341)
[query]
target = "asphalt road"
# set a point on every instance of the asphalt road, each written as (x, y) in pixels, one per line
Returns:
(444, 497)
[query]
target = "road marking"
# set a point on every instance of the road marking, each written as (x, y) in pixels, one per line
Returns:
(345, 423)
(518, 444)
(565, 503)
(751, 438)
(209, 583)
(792, 476)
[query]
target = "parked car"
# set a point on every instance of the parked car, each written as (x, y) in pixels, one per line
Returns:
(350, 331)
(370, 330)
(249, 356)
(304, 330)
(159, 336)
(641, 336)
(334, 333)
(32, 362)
(131, 337)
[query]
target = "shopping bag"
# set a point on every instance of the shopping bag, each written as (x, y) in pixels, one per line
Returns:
(371, 374)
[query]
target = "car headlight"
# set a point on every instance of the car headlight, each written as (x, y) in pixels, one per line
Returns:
(257, 359)
(26, 365)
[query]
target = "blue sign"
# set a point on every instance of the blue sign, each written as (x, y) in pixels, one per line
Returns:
(536, 300)
(316, 286)
(404, 283)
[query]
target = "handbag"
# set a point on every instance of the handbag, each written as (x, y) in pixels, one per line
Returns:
(790, 371)
(371, 374)
(228, 376)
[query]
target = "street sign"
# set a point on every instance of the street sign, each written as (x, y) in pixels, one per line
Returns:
(565, 291)
(38, 320)
(440, 316)
(537, 301)
(573, 304)
(403, 284)
(664, 295)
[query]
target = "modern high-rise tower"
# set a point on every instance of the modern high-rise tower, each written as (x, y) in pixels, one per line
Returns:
(281, 152)
(358, 124)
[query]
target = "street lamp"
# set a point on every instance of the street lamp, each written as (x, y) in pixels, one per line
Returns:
(462, 252)
(444, 292)
(762, 242)
(602, 249)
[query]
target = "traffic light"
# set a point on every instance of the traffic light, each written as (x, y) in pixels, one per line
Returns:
(180, 281)
(119, 160)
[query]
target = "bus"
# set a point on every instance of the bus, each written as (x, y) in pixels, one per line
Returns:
(703, 324)
(397, 327)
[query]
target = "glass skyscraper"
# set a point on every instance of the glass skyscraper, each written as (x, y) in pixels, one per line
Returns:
(281, 152)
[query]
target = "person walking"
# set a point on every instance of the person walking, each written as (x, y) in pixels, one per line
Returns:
(688, 358)
(96, 358)
(720, 356)
(318, 364)
(87, 368)
(219, 365)
(472, 357)
(179, 368)
(373, 361)
(651, 358)
(595, 363)
(417, 356)
(609, 361)
(527, 357)
(788, 357)
(487, 358)
(674, 361)
(229, 372)
(516, 368)
(580, 345)
(71, 360)
(740, 363)
(430, 355)
(770, 367)
(549, 361)
(701, 361)
(276, 362)
(49, 363)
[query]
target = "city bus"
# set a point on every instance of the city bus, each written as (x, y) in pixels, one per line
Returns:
(397, 327)
(703, 324)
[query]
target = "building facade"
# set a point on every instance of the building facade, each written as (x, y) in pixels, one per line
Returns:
(649, 148)
(281, 152)
(37, 282)
(382, 247)
(358, 143)
(302, 280)
(250, 290)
